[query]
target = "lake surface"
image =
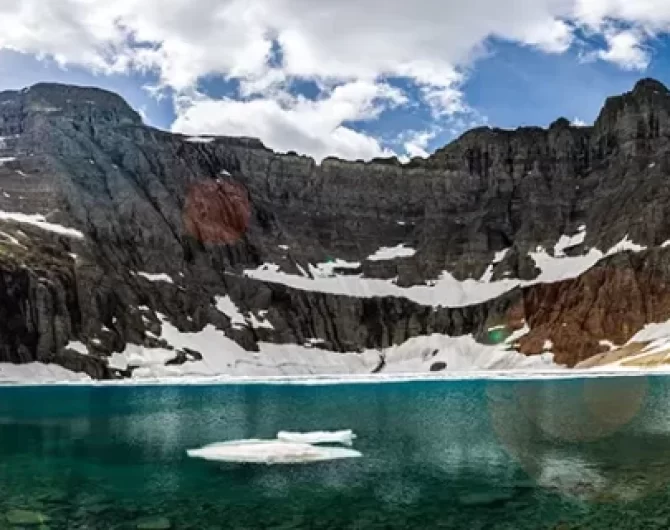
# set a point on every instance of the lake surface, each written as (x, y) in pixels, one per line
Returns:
(563, 454)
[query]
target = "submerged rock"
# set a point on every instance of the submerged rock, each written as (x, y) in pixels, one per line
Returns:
(26, 518)
(154, 523)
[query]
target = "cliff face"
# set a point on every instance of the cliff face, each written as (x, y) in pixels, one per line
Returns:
(127, 250)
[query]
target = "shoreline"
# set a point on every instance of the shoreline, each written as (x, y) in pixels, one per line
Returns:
(335, 380)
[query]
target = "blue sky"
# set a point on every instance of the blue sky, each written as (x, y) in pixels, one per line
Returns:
(353, 94)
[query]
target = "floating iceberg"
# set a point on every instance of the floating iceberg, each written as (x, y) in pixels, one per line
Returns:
(318, 437)
(270, 452)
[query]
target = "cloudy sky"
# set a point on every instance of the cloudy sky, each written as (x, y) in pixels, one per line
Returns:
(351, 78)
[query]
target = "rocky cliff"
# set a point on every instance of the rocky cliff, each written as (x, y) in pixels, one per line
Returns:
(128, 251)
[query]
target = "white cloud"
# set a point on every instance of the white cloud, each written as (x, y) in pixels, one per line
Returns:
(350, 43)
(417, 143)
(296, 123)
(625, 49)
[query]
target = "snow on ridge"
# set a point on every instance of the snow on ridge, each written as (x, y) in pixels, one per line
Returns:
(199, 140)
(40, 221)
(390, 253)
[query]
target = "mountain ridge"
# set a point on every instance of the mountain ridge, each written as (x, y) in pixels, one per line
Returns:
(130, 251)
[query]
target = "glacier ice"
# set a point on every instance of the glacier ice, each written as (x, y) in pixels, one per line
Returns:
(345, 437)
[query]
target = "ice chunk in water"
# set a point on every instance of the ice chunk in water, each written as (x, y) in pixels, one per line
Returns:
(270, 452)
(318, 437)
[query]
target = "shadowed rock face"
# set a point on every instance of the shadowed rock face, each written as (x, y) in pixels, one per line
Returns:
(202, 212)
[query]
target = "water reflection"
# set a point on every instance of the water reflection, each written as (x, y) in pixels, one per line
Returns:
(529, 454)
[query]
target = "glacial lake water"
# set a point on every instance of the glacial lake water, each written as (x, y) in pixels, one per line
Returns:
(478, 454)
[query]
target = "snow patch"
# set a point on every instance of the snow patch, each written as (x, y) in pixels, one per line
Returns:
(327, 269)
(259, 323)
(78, 346)
(6, 159)
(283, 247)
(624, 245)
(499, 256)
(225, 305)
(608, 343)
(199, 140)
(135, 355)
(40, 221)
(390, 253)
(38, 373)
(270, 452)
(162, 277)
(446, 291)
(565, 242)
(461, 354)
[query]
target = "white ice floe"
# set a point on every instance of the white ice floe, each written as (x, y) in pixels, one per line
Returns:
(390, 253)
(162, 277)
(199, 139)
(40, 221)
(226, 305)
(345, 437)
(270, 452)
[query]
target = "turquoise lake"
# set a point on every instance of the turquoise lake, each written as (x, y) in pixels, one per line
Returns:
(485, 454)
